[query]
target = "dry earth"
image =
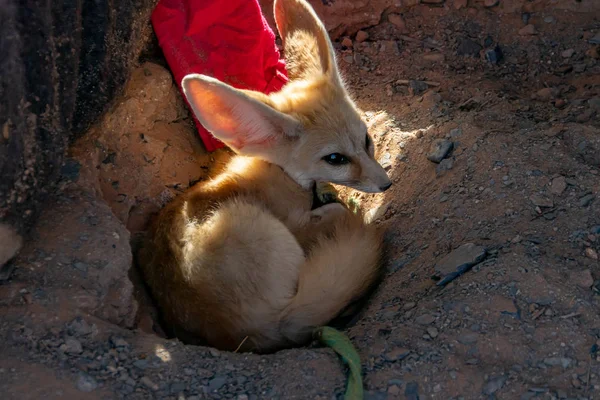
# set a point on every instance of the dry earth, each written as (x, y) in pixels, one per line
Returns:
(507, 104)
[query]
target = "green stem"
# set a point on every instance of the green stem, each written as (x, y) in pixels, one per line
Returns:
(341, 344)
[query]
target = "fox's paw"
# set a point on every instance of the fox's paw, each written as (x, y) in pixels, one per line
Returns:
(325, 193)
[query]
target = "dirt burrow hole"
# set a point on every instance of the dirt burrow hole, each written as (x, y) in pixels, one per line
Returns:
(143, 153)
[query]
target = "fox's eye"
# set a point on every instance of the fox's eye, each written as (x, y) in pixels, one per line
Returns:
(336, 159)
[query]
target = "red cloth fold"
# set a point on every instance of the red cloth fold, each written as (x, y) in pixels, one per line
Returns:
(227, 39)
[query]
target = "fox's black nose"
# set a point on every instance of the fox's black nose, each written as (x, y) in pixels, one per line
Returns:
(386, 186)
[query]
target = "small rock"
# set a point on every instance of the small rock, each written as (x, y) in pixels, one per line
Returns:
(80, 327)
(398, 21)
(375, 395)
(417, 87)
(141, 364)
(564, 69)
(347, 42)
(433, 332)
(527, 30)
(567, 53)
(394, 390)
(409, 305)
(541, 201)
(148, 383)
(204, 373)
(386, 161)
(580, 67)
(73, 346)
(583, 279)
(361, 36)
(177, 387)
(349, 59)
(432, 1)
(431, 99)
(70, 169)
(491, 3)
(425, 319)
(584, 116)
(558, 186)
(558, 361)
(469, 104)
(411, 391)
(591, 253)
(586, 200)
(546, 94)
(456, 132)
(494, 56)
(389, 47)
(595, 39)
(493, 385)
(440, 149)
(458, 262)
(81, 266)
(118, 341)
(445, 165)
(217, 383)
(468, 339)
(459, 4)
(397, 354)
(434, 57)
(593, 52)
(86, 383)
(467, 47)
(376, 213)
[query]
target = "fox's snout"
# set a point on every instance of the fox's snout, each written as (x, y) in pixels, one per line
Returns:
(381, 180)
(375, 180)
(384, 182)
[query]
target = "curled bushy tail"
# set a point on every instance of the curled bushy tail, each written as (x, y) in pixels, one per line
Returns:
(339, 269)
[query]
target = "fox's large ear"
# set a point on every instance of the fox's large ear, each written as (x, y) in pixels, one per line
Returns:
(308, 49)
(240, 119)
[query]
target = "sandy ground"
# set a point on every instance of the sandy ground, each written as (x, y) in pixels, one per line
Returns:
(513, 194)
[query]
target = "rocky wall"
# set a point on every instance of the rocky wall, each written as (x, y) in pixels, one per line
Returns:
(62, 61)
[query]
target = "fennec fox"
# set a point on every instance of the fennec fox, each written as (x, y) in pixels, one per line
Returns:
(245, 257)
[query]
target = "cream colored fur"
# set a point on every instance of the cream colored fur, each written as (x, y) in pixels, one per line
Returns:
(244, 258)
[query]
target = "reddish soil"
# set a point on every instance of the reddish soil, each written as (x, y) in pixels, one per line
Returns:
(522, 181)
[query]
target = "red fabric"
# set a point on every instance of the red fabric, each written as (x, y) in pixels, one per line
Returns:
(227, 39)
